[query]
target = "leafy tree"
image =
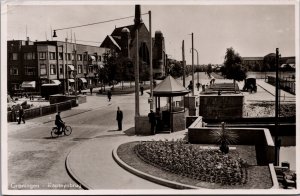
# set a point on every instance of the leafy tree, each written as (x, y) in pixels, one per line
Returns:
(176, 70)
(233, 68)
(269, 62)
(209, 69)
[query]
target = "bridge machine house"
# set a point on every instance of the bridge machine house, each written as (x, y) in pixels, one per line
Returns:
(30, 65)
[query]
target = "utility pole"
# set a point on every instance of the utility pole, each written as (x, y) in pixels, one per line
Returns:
(193, 64)
(151, 65)
(277, 143)
(137, 102)
(183, 63)
(67, 66)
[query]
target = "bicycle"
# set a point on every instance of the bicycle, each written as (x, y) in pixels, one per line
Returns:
(66, 130)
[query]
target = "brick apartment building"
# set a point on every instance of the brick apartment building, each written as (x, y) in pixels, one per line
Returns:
(33, 64)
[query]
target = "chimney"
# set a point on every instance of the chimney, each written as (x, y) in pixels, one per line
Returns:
(137, 18)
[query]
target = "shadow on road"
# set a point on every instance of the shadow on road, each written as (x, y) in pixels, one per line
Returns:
(130, 131)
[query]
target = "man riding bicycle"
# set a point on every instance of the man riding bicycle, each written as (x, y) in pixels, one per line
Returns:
(59, 123)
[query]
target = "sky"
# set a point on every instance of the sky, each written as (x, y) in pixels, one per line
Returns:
(252, 30)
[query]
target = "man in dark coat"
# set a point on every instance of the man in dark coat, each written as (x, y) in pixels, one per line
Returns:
(58, 122)
(109, 95)
(21, 115)
(152, 121)
(119, 118)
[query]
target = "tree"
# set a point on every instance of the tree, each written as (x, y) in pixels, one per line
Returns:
(176, 69)
(233, 68)
(209, 70)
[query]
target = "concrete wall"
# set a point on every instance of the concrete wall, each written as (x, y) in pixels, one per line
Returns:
(62, 98)
(142, 125)
(221, 106)
(178, 121)
(259, 137)
(190, 103)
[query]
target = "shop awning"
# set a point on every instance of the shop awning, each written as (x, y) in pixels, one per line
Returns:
(71, 67)
(71, 80)
(28, 84)
(56, 82)
(83, 80)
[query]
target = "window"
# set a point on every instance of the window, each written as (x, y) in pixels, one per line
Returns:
(14, 71)
(72, 57)
(90, 69)
(15, 86)
(79, 57)
(61, 69)
(60, 56)
(79, 69)
(29, 56)
(68, 56)
(30, 71)
(42, 55)
(52, 69)
(52, 55)
(85, 68)
(15, 56)
(43, 69)
(85, 57)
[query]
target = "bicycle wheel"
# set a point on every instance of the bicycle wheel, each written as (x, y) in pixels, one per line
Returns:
(68, 130)
(54, 132)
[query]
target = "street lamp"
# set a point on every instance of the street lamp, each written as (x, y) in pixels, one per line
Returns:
(193, 64)
(197, 64)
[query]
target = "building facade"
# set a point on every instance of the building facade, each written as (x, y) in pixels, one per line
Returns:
(68, 65)
(123, 40)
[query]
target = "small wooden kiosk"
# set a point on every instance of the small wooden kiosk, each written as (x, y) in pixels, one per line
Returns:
(169, 88)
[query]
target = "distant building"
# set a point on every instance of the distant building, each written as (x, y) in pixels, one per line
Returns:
(123, 41)
(253, 62)
(32, 64)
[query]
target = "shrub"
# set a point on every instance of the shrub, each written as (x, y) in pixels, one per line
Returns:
(191, 161)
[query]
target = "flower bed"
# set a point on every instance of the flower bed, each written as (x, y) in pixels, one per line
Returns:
(191, 161)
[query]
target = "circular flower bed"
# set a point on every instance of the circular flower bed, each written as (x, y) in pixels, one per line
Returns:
(191, 161)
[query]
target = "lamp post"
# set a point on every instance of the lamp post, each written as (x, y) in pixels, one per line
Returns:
(197, 64)
(151, 65)
(193, 64)
(277, 143)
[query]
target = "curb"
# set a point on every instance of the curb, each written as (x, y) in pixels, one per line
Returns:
(70, 172)
(168, 183)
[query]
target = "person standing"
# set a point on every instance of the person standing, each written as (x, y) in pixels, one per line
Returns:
(91, 90)
(13, 113)
(142, 90)
(152, 121)
(21, 115)
(119, 118)
(109, 95)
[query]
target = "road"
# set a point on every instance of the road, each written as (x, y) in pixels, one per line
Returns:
(36, 160)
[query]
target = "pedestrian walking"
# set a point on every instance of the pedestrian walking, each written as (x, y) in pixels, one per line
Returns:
(142, 90)
(91, 90)
(109, 95)
(119, 118)
(198, 85)
(152, 121)
(21, 115)
(13, 114)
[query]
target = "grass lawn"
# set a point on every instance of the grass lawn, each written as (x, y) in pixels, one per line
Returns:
(259, 177)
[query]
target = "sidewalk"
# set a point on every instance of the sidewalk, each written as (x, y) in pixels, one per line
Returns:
(284, 96)
(92, 165)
